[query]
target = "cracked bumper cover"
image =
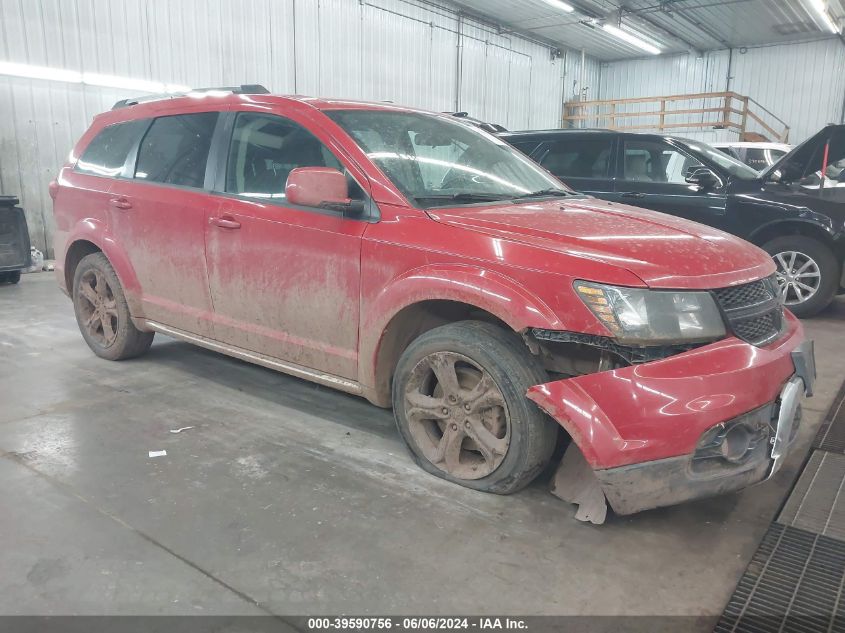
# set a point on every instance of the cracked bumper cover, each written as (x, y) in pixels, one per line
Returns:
(639, 427)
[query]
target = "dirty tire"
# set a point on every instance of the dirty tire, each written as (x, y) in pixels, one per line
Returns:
(488, 359)
(102, 312)
(824, 260)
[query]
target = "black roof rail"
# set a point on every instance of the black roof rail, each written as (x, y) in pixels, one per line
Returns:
(493, 128)
(244, 89)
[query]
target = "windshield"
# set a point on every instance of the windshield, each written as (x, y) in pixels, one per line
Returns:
(736, 168)
(437, 161)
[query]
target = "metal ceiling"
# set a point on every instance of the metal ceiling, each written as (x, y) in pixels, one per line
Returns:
(675, 25)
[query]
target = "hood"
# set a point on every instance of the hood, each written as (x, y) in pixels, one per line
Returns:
(662, 250)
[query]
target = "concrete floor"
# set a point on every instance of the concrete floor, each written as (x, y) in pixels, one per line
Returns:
(291, 498)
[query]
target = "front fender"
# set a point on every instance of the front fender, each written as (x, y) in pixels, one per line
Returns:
(96, 232)
(484, 289)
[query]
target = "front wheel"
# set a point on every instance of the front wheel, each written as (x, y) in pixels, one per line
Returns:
(459, 402)
(807, 273)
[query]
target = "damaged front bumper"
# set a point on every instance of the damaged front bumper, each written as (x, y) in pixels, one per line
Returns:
(701, 423)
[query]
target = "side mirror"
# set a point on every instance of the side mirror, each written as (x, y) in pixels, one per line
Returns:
(323, 187)
(703, 177)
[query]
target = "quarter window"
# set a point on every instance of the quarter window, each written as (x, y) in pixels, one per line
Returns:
(579, 158)
(265, 149)
(175, 149)
(107, 152)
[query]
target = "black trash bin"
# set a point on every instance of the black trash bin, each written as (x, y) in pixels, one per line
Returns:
(14, 240)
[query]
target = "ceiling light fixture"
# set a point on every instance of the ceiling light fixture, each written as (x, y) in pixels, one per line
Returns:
(633, 40)
(40, 72)
(92, 79)
(125, 83)
(557, 4)
(820, 6)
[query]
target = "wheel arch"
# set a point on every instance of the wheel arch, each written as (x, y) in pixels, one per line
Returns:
(76, 252)
(783, 228)
(430, 297)
(90, 237)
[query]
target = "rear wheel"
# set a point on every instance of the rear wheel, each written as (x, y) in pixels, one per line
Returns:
(807, 273)
(102, 312)
(459, 402)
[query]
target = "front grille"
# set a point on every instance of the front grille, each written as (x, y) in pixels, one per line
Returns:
(757, 329)
(745, 295)
(753, 310)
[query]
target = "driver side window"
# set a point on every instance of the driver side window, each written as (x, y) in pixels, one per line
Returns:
(265, 149)
(647, 161)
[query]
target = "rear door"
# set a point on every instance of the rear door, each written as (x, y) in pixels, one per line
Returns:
(652, 174)
(285, 279)
(584, 162)
(84, 193)
(159, 217)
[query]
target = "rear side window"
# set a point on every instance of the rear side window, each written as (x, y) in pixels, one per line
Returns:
(579, 158)
(107, 152)
(265, 149)
(175, 149)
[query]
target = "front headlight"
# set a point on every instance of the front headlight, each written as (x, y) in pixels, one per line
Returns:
(637, 315)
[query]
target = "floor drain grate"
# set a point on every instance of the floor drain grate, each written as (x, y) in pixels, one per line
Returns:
(831, 435)
(817, 503)
(795, 582)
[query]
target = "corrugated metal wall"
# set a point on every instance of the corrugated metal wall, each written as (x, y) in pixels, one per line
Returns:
(803, 84)
(405, 51)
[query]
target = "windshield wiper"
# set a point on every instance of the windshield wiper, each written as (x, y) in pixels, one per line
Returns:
(545, 192)
(464, 197)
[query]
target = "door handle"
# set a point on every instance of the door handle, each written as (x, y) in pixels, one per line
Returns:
(120, 203)
(633, 194)
(227, 222)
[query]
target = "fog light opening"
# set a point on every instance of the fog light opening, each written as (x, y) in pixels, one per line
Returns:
(736, 443)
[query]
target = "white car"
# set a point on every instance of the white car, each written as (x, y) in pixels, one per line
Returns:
(758, 155)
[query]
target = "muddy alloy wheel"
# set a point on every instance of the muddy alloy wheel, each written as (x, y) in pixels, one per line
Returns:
(98, 307)
(457, 415)
(459, 401)
(102, 311)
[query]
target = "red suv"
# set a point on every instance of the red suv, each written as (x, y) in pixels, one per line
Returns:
(424, 264)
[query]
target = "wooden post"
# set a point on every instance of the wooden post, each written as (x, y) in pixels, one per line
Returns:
(726, 117)
(744, 118)
(612, 116)
(662, 113)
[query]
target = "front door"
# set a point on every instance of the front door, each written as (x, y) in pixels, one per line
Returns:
(159, 217)
(652, 174)
(285, 280)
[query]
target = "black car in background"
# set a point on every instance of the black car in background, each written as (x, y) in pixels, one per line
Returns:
(14, 241)
(795, 210)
